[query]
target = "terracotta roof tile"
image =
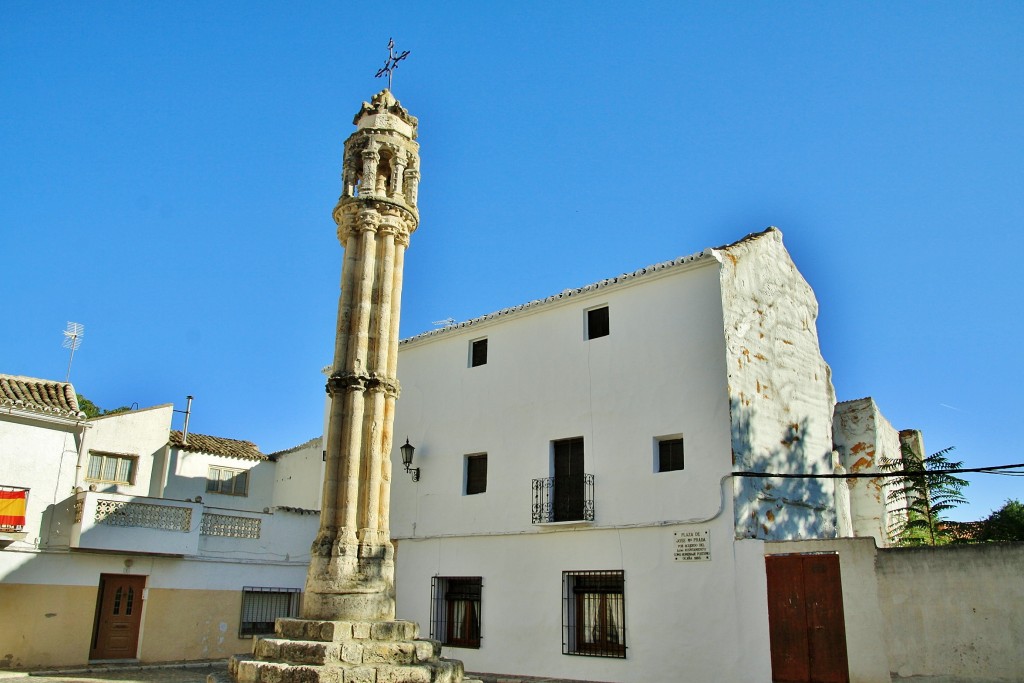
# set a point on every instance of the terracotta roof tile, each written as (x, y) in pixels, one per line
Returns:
(216, 445)
(39, 395)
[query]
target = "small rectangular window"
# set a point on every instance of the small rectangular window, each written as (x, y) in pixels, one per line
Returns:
(230, 482)
(670, 454)
(455, 610)
(597, 322)
(478, 352)
(476, 474)
(262, 606)
(111, 467)
(594, 613)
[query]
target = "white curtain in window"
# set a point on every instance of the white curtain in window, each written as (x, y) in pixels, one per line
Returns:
(614, 616)
(591, 618)
(109, 469)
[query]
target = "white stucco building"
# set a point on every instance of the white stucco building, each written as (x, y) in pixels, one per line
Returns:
(577, 454)
(136, 543)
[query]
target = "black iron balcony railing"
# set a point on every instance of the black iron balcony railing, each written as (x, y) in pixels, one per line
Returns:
(563, 499)
(13, 503)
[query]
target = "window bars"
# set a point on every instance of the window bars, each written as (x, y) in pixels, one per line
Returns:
(455, 610)
(594, 613)
(261, 607)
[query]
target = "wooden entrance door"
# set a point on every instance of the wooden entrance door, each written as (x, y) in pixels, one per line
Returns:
(805, 619)
(118, 617)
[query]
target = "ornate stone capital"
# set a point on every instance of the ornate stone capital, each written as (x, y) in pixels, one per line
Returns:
(340, 382)
(389, 226)
(385, 385)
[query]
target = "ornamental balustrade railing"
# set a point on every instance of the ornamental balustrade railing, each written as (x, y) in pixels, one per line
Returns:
(232, 526)
(147, 515)
(170, 518)
(563, 499)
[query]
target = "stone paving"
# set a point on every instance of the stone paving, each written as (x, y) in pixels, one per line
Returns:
(180, 673)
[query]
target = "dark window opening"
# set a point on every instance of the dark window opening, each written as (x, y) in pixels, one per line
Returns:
(569, 486)
(478, 353)
(594, 613)
(455, 610)
(670, 455)
(476, 474)
(261, 607)
(597, 322)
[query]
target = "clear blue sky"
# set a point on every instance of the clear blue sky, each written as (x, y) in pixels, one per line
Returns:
(168, 170)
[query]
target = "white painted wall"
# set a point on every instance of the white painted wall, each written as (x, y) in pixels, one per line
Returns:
(40, 453)
(780, 392)
(284, 537)
(84, 569)
(187, 474)
(660, 372)
(954, 612)
(89, 533)
(139, 433)
(298, 476)
(699, 621)
(865, 441)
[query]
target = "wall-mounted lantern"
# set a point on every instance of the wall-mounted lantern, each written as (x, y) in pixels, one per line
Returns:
(407, 451)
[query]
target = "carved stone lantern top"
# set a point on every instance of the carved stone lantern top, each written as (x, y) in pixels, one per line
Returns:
(385, 112)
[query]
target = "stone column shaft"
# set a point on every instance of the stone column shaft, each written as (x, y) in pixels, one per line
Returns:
(351, 573)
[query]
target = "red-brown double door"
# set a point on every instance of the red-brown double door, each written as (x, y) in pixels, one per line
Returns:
(805, 619)
(118, 617)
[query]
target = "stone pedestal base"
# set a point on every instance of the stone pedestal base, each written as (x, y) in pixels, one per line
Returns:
(312, 651)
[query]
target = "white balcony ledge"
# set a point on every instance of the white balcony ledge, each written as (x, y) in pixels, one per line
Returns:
(137, 524)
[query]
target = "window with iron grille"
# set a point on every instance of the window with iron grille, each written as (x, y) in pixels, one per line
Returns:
(478, 352)
(455, 610)
(262, 606)
(597, 322)
(111, 467)
(670, 454)
(594, 613)
(228, 481)
(476, 473)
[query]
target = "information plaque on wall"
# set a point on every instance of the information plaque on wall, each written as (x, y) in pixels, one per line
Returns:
(693, 546)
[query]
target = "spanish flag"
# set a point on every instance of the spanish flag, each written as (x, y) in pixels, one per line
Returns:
(12, 508)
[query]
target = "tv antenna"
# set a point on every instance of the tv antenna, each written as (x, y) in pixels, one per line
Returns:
(72, 340)
(447, 322)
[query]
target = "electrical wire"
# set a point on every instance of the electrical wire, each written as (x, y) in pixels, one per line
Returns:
(875, 475)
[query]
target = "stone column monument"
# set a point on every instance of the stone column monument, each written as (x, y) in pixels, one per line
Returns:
(348, 633)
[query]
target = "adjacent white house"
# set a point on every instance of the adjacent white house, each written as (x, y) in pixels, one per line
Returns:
(577, 491)
(132, 541)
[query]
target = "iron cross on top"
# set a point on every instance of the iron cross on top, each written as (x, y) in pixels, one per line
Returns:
(391, 63)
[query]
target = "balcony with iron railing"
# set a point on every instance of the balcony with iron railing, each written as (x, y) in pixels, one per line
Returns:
(13, 506)
(563, 499)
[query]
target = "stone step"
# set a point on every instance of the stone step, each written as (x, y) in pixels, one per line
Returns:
(348, 651)
(248, 670)
(337, 631)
